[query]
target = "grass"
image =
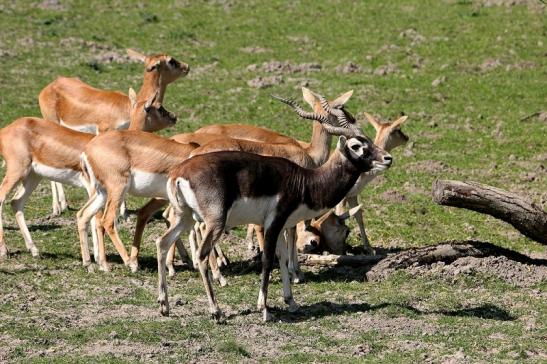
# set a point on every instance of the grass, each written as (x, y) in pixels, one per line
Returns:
(493, 63)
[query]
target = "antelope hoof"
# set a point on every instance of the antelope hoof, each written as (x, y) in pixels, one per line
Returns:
(134, 266)
(266, 315)
(164, 309)
(293, 306)
(56, 212)
(104, 267)
(217, 316)
(222, 281)
(171, 271)
(3, 253)
(297, 277)
(90, 268)
(35, 253)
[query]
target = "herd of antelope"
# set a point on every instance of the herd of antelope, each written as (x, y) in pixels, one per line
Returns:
(211, 180)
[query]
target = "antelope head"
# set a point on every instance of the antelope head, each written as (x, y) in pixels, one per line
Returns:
(331, 114)
(168, 67)
(389, 134)
(149, 115)
(326, 233)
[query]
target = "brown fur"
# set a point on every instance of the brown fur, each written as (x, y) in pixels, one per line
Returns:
(77, 103)
(24, 142)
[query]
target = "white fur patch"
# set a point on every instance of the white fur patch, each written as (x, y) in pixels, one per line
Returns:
(61, 175)
(122, 124)
(250, 211)
(148, 184)
(189, 196)
(86, 128)
(303, 212)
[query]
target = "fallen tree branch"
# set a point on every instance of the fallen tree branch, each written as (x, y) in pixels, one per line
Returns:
(518, 211)
(333, 260)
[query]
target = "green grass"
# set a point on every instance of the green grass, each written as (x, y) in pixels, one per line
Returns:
(51, 310)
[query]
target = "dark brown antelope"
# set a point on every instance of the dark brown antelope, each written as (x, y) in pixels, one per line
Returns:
(226, 189)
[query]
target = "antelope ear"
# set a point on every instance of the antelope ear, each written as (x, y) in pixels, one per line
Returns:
(309, 97)
(397, 123)
(372, 121)
(135, 55)
(132, 98)
(153, 66)
(341, 142)
(346, 215)
(151, 100)
(341, 100)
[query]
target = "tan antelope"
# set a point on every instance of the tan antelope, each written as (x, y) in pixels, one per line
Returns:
(388, 136)
(227, 189)
(34, 149)
(79, 106)
(326, 233)
(325, 125)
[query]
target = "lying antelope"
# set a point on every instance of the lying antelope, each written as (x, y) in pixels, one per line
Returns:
(311, 156)
(226, 189)
(76, 105)
(326, 233)
(34, 149)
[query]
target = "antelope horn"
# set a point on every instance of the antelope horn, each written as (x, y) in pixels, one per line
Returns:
(336, 111)
(324, 103)
(301, 112)
(349, 132)
(324, 217)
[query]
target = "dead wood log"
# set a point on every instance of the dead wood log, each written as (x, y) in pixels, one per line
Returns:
(518, 211)
(333, 259)
(446, 252)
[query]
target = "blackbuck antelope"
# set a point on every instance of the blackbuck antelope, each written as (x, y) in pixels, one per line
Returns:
(326, 233)
(388, 136)
(246, 138)
(79, 106)
(226, 189)
(34, 149)
(317, 149)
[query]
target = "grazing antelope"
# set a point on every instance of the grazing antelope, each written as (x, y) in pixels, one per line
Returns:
(232, 139)
(79, 106)
(388, 136)
(326, 233)
(226, 189)
(34, 149)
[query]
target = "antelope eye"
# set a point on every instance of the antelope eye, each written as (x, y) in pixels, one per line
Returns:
(355, 147)
(172, 62)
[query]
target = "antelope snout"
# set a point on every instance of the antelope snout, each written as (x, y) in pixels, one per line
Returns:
(185, 68)
(387, 159)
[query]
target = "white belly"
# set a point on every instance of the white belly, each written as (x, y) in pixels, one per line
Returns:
(303, 212)
(250, 211)
(61, 175)
(147, 184)
(85, 128)
(122, 124)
